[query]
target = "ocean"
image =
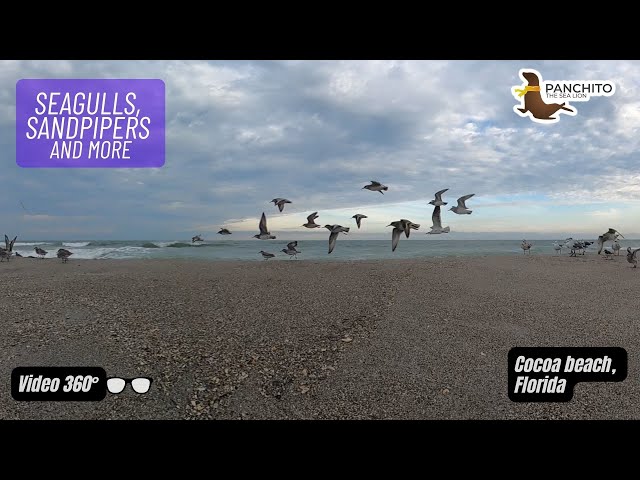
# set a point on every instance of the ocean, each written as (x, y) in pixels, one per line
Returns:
(346, 249)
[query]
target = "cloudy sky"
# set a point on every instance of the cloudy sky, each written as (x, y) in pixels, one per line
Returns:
(240, 133)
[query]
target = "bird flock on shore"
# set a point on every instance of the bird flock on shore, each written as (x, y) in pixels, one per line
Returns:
(579, 247)
(7, 252)
(399, 226)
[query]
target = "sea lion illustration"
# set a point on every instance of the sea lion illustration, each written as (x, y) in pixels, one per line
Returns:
(533, 101)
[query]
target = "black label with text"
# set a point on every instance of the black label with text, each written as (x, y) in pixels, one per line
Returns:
(62, 384)
(548, 374)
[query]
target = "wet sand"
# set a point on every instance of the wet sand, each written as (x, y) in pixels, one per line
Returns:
(393, 339)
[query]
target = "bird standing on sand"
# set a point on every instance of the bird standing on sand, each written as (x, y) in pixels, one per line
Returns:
(41, 253)
(195, 239)
(616, 247)
(609, 236)
(376, 187)
(310, 221)
(279, 202)
(437, 222)
(461, 208)
(291, 250)
(632, 256)
(526, 246)
(64, 254)
(224, 231)
(557, 246)
(359, 217)
(264, 232)
(4, 254)
(266, 255)
(438, 200)
(608, 252)
(335, 231)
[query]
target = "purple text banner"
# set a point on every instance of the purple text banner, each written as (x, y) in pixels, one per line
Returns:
(90, 123)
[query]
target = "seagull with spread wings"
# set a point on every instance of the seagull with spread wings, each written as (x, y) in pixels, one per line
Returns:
(376, 187)
(461, 208)
(264, 231)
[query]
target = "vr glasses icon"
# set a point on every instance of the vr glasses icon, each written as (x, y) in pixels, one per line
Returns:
(139, 384)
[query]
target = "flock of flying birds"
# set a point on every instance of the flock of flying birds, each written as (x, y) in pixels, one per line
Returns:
(399, 227)
(579, 247)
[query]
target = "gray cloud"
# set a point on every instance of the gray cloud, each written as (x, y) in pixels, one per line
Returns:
(241, 133)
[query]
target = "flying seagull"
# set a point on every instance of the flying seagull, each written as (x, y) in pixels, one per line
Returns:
(64, 254)
(631, 256)
(335, 231)
(266, 255)
(437, 222)
(359, 217)
(279, 202)
(264, 232)
(462, 209)
(291, 250)
(406, 225)
(41, 253)
(438, 200)
(608, 236)
(224, 231)
(310, 221)
(197, 238)
(526, 246)
(376, 187)
(402, 225)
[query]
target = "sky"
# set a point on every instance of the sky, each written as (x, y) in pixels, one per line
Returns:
(240, 133)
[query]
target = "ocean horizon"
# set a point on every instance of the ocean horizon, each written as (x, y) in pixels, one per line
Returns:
(346, 249)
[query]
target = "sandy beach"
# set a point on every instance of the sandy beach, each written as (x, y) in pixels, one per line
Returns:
(393, 339)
